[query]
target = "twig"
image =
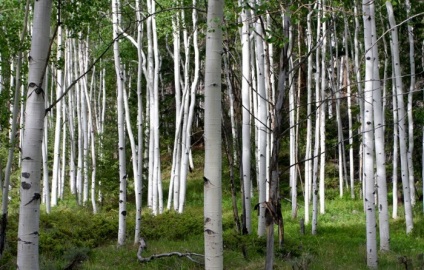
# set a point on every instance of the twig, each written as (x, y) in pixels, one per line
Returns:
(143, 246)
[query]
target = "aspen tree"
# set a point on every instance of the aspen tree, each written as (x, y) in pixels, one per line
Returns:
(16, 109)
(261, 123)
(72, 146)
(409, 112)
(80, 137)
(368, 135)
(316, 137)
(349, 115)
(246, 128)
(395, 150)
(121, 122)
(322, 7)
(138, 177)
(401, 117)
(29, 211)
(308, 161)
(158, 207)
(292, 121)
(92, 141)
(380, 153)
(58, 123)
(83, 119)
(273, 212)
(357, 71)
(174, 188)
(213, 157)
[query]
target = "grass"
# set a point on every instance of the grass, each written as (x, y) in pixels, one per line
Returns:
(71, 236)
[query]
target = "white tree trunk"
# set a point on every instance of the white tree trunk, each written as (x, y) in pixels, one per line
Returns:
(368, 135)
(395, 151)
(92, 142)
(185, 148)
(158, 207)
(29, 211)
(322, 110)
(401, 117)
(308, 161)
(58, 125)
(80, 137)
(410, 113)
(246, 128)
(174, 188)
(213, 157)
(70, 122)
(121, 126)
(349, 115)
(84, 122)
(292, 121)
(138, 178)
(186, 144)
(261, 124)
(359, 87)
(4, 185)
(380, 153)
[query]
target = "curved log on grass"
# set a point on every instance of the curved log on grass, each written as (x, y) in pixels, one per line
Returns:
(142, 246)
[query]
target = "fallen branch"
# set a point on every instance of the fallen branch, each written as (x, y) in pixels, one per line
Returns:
(143, 246)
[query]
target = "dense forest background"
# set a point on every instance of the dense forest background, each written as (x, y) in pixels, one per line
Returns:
(322, 132)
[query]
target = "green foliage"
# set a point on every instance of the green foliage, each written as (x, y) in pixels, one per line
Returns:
(57, 236)
(173, 226)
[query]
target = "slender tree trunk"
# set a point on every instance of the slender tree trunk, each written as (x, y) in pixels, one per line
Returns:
(213, 157)
(246, 127)
(273, 205)
(174, 188)
(16, 109)
(410, 112)
(292, 121)
(121, 126)
(261, 124)
(156, 168)
(323, 103)
(401, 117)
(29, 211)
(360, 92)
(92, 142)
(138, 178)
(380, 153)
(80, 162)
(308, 161)
(58, 127)
(368, 135)
(395, 150)
(349, 115)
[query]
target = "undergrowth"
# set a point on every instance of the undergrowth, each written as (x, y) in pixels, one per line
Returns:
(72, 237)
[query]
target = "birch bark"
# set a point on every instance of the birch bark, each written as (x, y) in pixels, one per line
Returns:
(401, 117)
(246, 128)
(380, 153)
(213, 162)
(410, 113)
(29, 212)
(368, 135)
(15, 112)
(261, 123)
(121, 126)
(58, 124)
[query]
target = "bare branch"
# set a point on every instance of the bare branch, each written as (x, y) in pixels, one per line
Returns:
(188, 255)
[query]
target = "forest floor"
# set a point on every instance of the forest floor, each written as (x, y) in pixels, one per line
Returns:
(71, 237)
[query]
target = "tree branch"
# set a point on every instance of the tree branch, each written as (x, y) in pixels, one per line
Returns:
(143, 246)
(48, 109)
